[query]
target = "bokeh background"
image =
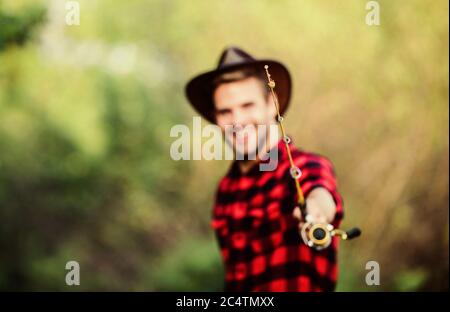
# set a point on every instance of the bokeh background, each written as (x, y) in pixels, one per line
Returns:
(86, 111)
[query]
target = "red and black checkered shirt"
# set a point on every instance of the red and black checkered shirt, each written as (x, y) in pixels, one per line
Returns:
(257, 234)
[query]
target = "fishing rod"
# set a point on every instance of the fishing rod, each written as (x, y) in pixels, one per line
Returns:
(315, 235)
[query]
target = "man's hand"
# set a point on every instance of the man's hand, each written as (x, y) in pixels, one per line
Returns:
(320, 207)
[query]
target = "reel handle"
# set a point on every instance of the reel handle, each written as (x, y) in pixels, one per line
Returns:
(353, 233)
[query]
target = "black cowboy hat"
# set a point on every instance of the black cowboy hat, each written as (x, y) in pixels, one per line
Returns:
(199, 90)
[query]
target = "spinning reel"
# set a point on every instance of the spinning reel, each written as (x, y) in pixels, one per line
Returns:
(315, 235)
(319, 235)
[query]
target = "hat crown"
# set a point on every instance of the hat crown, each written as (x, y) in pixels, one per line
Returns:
(233, 55)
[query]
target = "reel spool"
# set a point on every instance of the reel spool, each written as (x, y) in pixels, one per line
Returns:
(319, 235)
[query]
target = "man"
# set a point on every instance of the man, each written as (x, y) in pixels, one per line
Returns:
(255, 216)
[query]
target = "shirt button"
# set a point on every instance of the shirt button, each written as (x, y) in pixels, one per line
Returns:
(239, 240)
(240, 271)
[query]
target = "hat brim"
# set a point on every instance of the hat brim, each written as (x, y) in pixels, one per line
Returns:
(199, 90)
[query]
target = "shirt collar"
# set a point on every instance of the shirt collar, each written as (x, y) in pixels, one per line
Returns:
(235, 171)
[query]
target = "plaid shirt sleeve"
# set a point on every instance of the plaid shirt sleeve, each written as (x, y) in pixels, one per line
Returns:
(318, 171)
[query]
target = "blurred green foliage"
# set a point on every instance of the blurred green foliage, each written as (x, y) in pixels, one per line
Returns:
(86, 111)
(17, 29)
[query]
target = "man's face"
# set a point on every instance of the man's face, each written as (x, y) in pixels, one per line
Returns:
(243, 104)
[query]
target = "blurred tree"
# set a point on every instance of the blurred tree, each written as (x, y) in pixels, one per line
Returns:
(17, 29)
